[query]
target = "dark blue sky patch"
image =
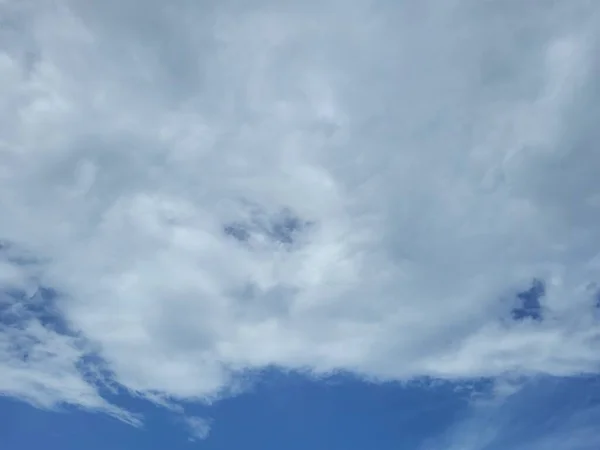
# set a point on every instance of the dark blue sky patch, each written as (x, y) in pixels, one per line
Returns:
(237, 231)
(529, 306)
(283, 227)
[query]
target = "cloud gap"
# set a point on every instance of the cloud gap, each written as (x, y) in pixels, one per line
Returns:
(282, 228)
(530, 306)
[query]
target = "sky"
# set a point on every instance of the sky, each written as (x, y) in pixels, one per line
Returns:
(304, 224)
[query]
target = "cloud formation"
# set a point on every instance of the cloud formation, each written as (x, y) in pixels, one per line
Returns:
(542, 414)
(198, 427)
(213, 187)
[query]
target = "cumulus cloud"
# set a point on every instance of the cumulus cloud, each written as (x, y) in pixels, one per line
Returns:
(212, 187)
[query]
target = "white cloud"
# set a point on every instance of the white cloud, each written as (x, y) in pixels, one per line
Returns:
(42, 367)
(441, 155)
(198, 427)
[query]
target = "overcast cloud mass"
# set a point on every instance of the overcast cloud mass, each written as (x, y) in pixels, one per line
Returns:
(193, 190)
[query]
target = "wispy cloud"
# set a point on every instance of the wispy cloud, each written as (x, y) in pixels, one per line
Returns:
(361, 186)
(198, 427)
(543, 414)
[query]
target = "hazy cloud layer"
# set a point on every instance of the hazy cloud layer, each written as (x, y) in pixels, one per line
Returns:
(212, 187)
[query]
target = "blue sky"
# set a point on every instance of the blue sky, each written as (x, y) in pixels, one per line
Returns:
(292, 411)
(299, 223)
(285, 410)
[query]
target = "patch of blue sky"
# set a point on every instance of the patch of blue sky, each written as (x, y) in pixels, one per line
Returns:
(529, 302)
(292, 411)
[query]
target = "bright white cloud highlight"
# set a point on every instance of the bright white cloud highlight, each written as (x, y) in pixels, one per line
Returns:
(433, 157)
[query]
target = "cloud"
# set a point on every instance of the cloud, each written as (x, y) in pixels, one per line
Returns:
(541, 414)
(198, 427)
(43, 366)
(321, 186)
